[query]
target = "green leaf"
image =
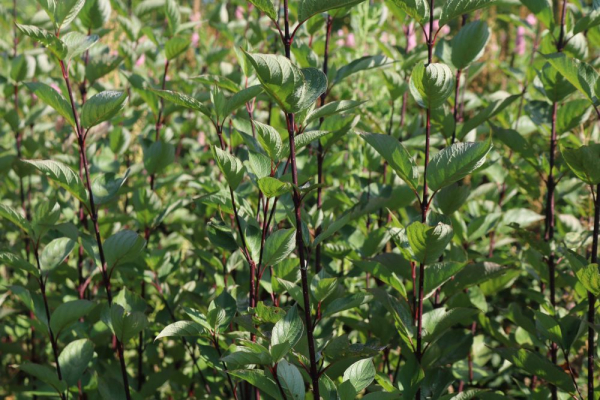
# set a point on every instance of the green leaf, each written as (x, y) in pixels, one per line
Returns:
(273, 187)
(587, 22)
(183, 100)
(572, 114)
(62, 175)
(44, 374)
(230, 166)
(74, 360)
(269, 139)
(539, 366)
(20, 67)
(581, 75)
(123, 246)
(68, 313)
(588, 274)
(54, 44)
(294, 89)
(417, 9)
(102, 107)
(125, 325)
(106, 187)
(181, 329)
(456, 162)
(95, 13)
(542, 9)
(158, 156)
(333, 108)
(55, 253)
(548, 327)
(346, 303)
(267, 7)
(279, 245)
(439, 273)
(302, 141)
(473, 274)
(240, 99)
(469, 44)
(173, 15)
(555, 86)
(361, 64)
(490, 111)
(456, 8)
(584, 162)
(15, 217)
(66, 11)
(101, 66)
(396, 156)
(466, 395)
(219, 81)
(287, 330)
(451, 198)
(251, 353)
(439, 320)
(77, 43)
(17, 262)
(52, 98)
(431, 85)
(322, 285)
(290, 380)
(257, 378)
(360, 374)
(175, 46)
(428, 242)
(309, 8)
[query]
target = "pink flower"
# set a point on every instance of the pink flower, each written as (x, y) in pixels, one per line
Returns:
(140, 61)
(195, 17)
(520, 41)
(531, 19)
(195, 39)
(350, 41)
(239, 12)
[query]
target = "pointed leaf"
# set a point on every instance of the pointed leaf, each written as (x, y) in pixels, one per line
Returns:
(63, 176)
(396, 156)
(55, 253)
(431, 85)
(123, 246)
(102, 107)
(68, 313)
(456, 162)
(74, 360)
(428, 242)
(53, 98)
(54, 44)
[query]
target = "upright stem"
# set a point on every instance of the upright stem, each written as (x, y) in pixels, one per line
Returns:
(456, 103)
(53, 342)
(320, 155)
(298, 213)
(94, 217)
(158, 124)
(148, 231)
(231, 385)
(550, 204)
(424, 201)
(592, 298)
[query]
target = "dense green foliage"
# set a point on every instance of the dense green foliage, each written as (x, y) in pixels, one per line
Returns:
(290, 199)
